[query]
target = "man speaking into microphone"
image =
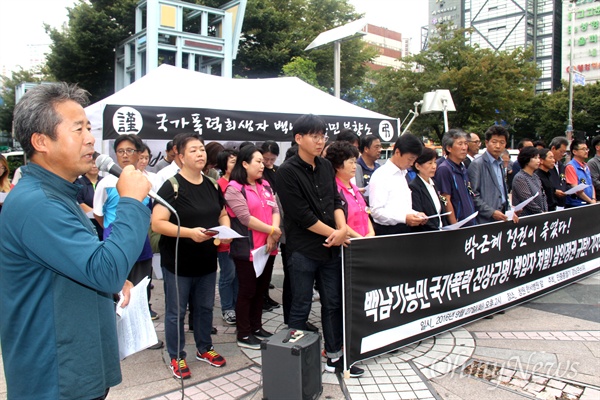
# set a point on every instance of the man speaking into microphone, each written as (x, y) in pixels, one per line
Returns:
(57, 315)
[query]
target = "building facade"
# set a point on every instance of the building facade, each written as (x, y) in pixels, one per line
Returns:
(390, 45)
(445, 12)
(510, 24)
(581, 28)
(504, 25)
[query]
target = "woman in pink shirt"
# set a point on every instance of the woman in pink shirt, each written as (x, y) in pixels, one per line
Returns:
(256, 216)
(342, 156)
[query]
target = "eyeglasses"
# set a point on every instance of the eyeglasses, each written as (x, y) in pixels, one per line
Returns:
(583, 149)
(318, 138)
(128, 151)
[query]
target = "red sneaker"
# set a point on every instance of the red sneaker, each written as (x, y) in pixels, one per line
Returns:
(180, 369)
(211, 357)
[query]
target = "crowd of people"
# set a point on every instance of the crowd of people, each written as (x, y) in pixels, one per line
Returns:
(83, 237)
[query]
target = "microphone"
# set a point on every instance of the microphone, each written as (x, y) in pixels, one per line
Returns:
(107, 164)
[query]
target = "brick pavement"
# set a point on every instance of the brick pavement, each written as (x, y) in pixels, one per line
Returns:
(472, 362)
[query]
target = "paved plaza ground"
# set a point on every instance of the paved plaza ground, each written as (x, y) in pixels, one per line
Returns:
(548, 348)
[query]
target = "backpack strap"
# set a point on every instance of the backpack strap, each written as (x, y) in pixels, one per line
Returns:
(214, 182)
(175, 185)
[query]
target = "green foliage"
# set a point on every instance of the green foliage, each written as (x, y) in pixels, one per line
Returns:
(274, 32)
(84, 52)
(13, 164)
(8, 95)
(548, 115)
(486, 87)
(277, 31)
(303, 69)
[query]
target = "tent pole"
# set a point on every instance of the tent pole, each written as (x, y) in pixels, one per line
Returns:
(336, 67)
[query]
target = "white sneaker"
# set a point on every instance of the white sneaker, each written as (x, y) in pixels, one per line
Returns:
(229, 317)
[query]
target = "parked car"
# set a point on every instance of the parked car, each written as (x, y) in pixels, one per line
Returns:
(15, 159)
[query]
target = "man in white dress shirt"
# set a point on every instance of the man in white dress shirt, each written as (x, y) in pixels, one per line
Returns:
(389, 194)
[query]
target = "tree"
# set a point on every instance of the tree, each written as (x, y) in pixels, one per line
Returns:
(486, 87)
(274, 32)
(277, 31)
(84, 52)
(8, 95)
(304, 69)
(546, 115)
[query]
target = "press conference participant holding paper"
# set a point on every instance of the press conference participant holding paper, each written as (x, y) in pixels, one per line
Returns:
(389, 196)
(526, 183)
(425, 196)
(577, 172)
(57, 314)
(253, 203)
(106, 200)
(200, 205)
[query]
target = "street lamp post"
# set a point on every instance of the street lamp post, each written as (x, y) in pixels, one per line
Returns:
(336, 36)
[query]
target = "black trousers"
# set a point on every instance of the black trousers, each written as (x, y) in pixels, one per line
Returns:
(390, 229)
(248, 307)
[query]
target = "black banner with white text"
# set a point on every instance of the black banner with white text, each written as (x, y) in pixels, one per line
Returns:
(403, 288)
(163, 123)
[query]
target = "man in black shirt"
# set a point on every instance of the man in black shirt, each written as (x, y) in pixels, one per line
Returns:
(315, 228)
(558, 147)
(546, 166)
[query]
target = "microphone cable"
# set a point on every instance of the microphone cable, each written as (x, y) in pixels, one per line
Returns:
(178, 302)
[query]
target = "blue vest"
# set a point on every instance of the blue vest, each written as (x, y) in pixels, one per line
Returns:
(583, 176)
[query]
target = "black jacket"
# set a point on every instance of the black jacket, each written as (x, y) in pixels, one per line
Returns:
(422, 201)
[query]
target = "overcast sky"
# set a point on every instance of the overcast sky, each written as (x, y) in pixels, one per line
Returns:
(404, 16)
(21, 22)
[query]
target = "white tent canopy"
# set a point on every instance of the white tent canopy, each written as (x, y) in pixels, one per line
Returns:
(171, 87)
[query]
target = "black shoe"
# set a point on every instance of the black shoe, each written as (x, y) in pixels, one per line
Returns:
(249, 342)
(157, 346)
(267, 307)
(271, 302)
(271, 286)
(311, 327)
(262, 334)
(153, 315)
(338, 367)
(213, 331)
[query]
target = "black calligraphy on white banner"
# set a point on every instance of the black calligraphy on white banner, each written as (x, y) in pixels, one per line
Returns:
(404, 288)
(163, 123)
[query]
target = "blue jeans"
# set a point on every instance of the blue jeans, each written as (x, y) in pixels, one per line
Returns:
(228, 282)
(303, 271)
(202, 290)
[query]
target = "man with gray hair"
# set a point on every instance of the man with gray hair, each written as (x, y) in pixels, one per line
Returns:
(452, 180)
(57, 279)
